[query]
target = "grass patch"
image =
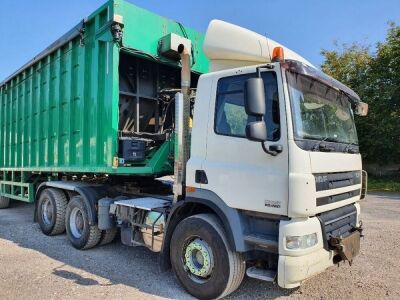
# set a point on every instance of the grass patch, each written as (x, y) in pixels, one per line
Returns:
(384, 184)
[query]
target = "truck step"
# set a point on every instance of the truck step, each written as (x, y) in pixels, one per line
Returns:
(145, 203)
(262, 241)
(261, 274)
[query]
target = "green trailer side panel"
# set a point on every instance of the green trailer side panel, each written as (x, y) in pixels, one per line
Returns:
(60, 113)
(56, 113)
(136, 18)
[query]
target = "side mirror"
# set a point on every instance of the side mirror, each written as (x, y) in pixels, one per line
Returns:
(254, 102)
(361, 109)
(254, 97)
(256, 131)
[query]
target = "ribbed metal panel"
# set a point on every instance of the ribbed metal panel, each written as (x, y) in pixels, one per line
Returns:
(59, 113)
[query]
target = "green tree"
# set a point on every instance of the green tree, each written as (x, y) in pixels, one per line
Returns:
(375, 76)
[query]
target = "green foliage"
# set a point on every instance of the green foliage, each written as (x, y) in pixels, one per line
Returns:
(375, 76)
(384, 184)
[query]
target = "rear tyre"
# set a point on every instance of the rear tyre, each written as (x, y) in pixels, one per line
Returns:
(108, 236)
(81, 235)
(4, 202)
(51, 211)
(202, 259)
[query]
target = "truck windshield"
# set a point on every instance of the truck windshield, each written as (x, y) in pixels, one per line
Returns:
(320, 112)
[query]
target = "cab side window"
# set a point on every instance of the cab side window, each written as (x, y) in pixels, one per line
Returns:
(230, 115)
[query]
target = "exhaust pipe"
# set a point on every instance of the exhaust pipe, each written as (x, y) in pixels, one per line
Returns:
(182, 115)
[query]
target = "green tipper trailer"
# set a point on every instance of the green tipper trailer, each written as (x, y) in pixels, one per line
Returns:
(103, 88)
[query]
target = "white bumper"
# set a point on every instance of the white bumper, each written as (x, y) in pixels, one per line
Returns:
(297, 265)
(293, 270)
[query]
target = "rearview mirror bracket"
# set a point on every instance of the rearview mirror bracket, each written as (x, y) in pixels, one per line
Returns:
(255, 106)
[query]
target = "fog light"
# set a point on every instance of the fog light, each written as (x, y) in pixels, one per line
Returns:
(301, 242)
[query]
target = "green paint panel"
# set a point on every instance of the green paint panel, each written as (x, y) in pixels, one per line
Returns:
(135, 19)
(60, 113)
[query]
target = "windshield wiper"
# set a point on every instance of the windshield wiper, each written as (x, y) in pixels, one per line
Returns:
(323, 147)
(320, 138)
(312, 137)
(320, 145)
(350, 149)
(330, 139)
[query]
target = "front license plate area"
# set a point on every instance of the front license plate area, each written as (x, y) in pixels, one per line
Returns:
(348, 247)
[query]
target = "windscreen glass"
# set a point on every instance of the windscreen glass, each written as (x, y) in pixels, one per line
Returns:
(319, 111)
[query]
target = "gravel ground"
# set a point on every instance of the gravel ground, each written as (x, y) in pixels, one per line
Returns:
(34, 266)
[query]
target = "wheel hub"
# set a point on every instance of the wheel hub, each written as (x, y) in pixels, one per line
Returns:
(47, 212)
(76, 222)
(199, 258)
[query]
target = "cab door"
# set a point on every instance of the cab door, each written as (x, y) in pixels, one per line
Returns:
(238, 170)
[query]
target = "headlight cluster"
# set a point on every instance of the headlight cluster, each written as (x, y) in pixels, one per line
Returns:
(301, 242)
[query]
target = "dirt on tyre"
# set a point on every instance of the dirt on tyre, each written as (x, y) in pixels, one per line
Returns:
(202, 259)
(80, 233)
(51, 211)
(4, 202)
(108, 236)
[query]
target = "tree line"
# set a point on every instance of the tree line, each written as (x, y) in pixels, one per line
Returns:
(374, 74)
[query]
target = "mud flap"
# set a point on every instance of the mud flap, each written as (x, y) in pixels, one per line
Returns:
(347, 247)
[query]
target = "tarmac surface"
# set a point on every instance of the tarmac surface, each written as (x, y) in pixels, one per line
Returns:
(35, 266)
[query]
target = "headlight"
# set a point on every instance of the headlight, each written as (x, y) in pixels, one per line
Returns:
(301, 242)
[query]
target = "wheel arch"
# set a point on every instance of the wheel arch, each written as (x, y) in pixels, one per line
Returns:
(204, 201)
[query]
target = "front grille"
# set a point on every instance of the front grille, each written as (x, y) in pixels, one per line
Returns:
(338, 223)
(330, 181)
(338, 197)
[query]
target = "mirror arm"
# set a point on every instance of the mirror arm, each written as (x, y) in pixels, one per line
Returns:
(267, 66)
(272, 153)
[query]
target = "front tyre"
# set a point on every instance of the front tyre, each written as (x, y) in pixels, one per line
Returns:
(80, 233)
(202, 259)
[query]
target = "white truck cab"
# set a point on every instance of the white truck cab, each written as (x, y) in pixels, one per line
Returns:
(305, 178)
(272, 182)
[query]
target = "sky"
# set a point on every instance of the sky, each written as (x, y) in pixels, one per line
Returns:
(306, 26)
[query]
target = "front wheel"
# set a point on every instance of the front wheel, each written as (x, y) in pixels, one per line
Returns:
(202, 259)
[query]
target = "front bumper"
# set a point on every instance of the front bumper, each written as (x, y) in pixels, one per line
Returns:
(292, 270)
(297, 265)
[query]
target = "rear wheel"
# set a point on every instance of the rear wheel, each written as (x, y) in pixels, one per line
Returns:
(107, 236)
(202, 259)
(51, 211)
(81, 234)
(4, 202)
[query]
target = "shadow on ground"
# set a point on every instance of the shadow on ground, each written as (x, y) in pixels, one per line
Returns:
(136, 267)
